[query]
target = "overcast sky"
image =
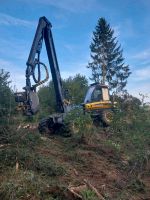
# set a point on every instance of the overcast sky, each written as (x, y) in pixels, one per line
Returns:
(73, 23)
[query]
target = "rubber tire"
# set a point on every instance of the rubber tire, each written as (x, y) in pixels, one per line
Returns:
(97, 121)
(107, 117)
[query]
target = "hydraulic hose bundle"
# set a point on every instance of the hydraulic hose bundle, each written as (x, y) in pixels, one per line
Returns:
(38, 80)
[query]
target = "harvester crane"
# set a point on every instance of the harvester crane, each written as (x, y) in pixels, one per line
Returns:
(28, 99)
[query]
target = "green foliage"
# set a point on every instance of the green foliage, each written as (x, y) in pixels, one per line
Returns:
(76, 88)
(21, 148)
(47, 99)
(7, 102)
(5, 134)
(131, 129)
(81, 124)
(80, 120)
(113, 144)
(10, 135)
(136, 185)
(107, 59)
(89, 195)
(47, 166)
(17, 145)
(27, 185)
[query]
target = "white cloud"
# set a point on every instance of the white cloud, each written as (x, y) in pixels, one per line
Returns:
(20, 48)
(70, 47)
(139, 82)
(125, 30)
(75, 68)
(14, 21)
(136, 89)
(71, 5)
(142, 55)
(128, 28)
(116, 30)
(141, 74)
(17, 76)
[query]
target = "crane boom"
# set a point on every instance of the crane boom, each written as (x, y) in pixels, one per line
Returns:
(29, 100)
(44, 32)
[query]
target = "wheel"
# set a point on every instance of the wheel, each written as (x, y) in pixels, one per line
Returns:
(46, 126)
(97, 121)
(63, 130)
(107, 117)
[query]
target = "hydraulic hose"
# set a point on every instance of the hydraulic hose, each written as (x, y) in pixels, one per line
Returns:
(38, 80)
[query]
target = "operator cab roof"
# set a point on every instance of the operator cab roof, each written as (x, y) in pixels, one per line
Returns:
(99, 84)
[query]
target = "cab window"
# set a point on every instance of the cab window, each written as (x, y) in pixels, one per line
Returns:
(89, 95)
(96, 95)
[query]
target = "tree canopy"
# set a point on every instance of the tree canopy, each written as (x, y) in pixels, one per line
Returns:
(6, 95)
(76, 89)
(107, 63)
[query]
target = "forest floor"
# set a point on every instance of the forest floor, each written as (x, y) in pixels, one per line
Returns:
(35, 167)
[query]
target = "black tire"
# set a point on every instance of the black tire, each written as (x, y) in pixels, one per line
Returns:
(63, 130)
(46, 126)
(107, 117)
(97, 121)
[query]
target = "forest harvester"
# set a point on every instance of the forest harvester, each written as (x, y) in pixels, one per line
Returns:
(97, 101)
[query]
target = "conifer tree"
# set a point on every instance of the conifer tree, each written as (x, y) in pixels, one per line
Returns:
(107, 63)
(7, 103)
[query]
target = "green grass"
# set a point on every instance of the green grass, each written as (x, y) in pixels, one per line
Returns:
(29, 185)
(39, 172)
(89, 195)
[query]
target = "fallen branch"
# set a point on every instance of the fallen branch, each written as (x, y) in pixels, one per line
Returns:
(5, 145)
(94, 189)
(77, 190)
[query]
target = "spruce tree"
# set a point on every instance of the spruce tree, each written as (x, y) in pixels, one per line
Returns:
(107, 63)
(7, 103)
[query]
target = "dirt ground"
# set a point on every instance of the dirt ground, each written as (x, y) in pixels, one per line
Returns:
(105, 168)
(101, 166)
